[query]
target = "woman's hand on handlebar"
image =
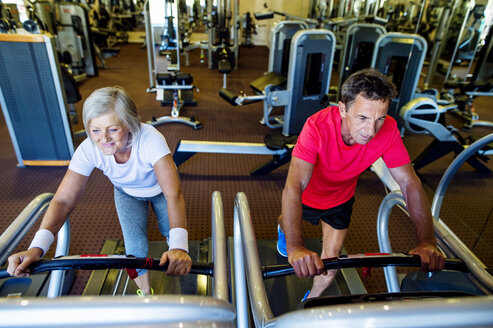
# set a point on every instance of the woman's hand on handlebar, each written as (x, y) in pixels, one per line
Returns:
(19, 262)
(179, 264)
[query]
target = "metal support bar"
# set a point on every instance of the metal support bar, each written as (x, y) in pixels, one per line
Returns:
(14, 233)
(246, 251)
(221, 147)
(188, 148)
(219, 248)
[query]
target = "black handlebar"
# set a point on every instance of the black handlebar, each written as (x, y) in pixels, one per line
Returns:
(364, 260)
(103, 262)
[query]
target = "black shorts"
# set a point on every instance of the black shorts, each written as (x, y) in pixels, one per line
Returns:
(337, 217)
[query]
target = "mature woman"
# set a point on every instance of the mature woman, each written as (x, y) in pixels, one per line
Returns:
(137, 160)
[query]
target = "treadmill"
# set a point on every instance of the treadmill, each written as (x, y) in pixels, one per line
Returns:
(460, 296)
(117, 281)
(188, 301)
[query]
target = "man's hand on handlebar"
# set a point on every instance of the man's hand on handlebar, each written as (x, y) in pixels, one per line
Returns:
(306, 263)
(431, 257)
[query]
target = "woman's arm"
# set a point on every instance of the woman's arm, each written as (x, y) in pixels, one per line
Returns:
(64, 201)
(180, 262)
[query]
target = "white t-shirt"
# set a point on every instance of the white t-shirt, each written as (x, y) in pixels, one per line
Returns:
(136, 177)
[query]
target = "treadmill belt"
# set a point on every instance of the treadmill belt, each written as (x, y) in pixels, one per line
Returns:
(285, 293)
(117, 282)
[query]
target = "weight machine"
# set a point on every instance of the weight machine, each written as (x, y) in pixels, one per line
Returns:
(34, 100)
(171, 86)
(311, 57)
(359, 45)
(275, 79)
(400, 56)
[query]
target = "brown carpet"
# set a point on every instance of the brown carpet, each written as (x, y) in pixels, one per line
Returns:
(466, 209)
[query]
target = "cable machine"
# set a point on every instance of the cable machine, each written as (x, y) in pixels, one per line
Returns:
(172, 87)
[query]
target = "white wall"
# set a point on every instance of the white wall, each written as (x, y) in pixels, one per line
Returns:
(264, 27)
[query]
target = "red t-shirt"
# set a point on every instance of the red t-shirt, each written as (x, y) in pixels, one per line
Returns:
(337, 165)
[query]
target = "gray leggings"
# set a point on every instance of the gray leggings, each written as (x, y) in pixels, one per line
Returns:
(133, 213)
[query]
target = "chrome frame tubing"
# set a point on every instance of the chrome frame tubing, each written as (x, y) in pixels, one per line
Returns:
(160, 310)
(430, 313)
(185, 311)
(14, 233)
(445, 235)
(383, 173)
(246, 253)
(477, 268)
(219, 248)
(392, 199)
(150, 46)
(459, 312)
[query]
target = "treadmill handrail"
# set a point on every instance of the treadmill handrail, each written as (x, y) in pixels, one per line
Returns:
(110, 311)
(452, 169)
(219, 256)
(246, 250)
(475, 266)
(389, 314)
(436, 313)
(14, 233)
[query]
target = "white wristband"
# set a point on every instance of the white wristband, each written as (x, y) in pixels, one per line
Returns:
(42, 239)
(178, 239)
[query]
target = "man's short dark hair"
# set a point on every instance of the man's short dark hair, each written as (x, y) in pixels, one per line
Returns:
(370, 83)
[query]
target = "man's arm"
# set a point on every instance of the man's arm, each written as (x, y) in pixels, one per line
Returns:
(419, 211)
(305, 262)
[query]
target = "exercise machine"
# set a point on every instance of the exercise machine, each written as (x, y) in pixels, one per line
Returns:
(34, 101)
(221, 22)
(248, 29)
(468, 40)
(400, 56)
(423, 115)
(68, 22)
(277, 303)
(479, 281)
(426, 115)
(464, 93)
(209, 307)
(9, 17)
(311, 57)
(115, 281)
(276, 78)
(222, 53)
(75, 40)
(469, 283)
(439, 28)
(283, 291)
(171, 86)
(195, 20)
(359, 45)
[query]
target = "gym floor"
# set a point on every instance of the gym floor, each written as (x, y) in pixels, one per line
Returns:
(467, 208)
